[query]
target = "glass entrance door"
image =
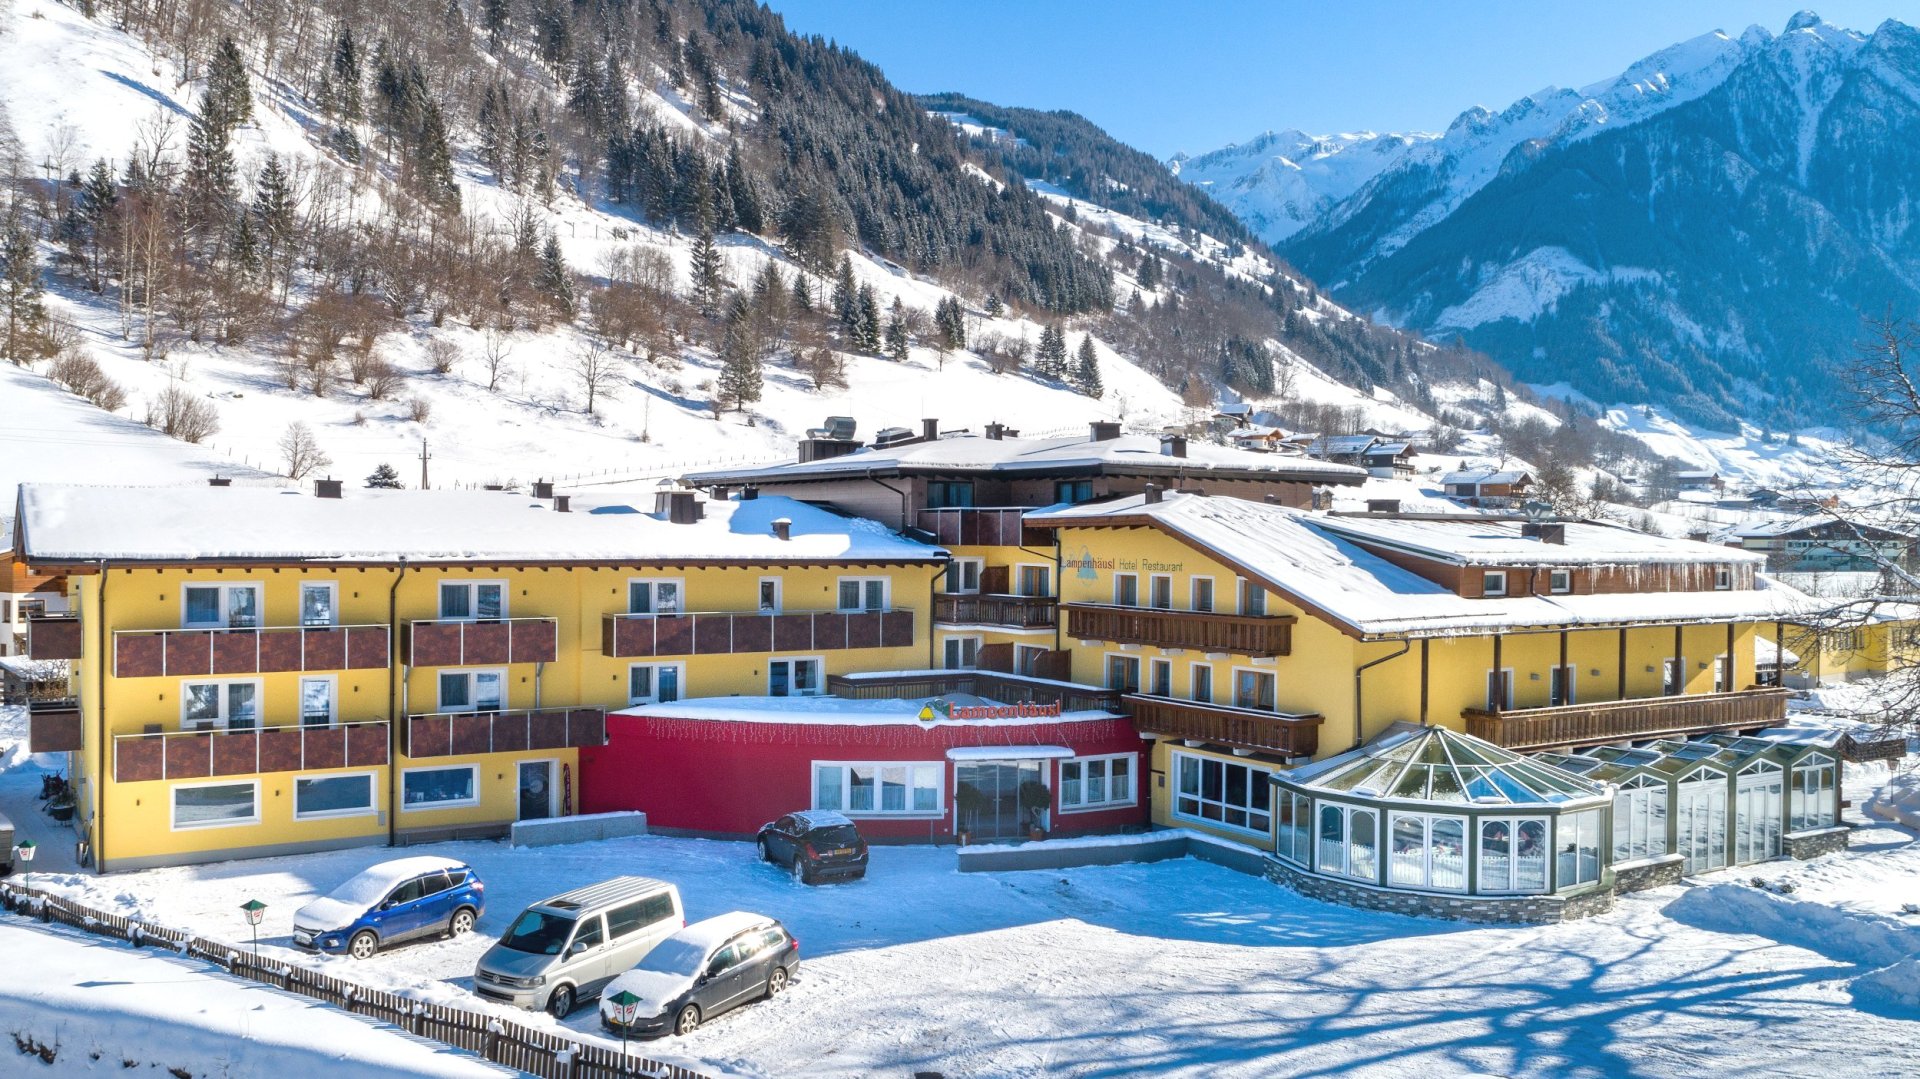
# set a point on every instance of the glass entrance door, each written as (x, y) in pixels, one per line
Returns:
(536, 790)
(998, 813)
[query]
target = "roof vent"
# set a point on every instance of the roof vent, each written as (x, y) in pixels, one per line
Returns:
(996, 431)
(219, 481)
(1554, 533)
(562, 504)
(782, 528)
(929, 430)
(326, 488)
(1383, 505)
(1103, 431)
(749, 493)
(820, 449)
(888, 436)
(680, 507)
(543, 488)
(1152, 493)
(1173, 445)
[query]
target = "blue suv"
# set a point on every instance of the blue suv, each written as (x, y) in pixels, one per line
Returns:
(391, 902)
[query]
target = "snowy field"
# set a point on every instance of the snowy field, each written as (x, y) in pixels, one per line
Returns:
(1183, 968)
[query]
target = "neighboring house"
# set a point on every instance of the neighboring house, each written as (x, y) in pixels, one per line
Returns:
(263, 671)
(1816, 544)
(1699, 480)
(1388, 459)
(1488, 487)
(25, 594)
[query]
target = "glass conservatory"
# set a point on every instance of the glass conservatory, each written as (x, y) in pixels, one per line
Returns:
(1432, 810)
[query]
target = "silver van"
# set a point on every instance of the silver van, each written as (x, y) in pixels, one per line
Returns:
(561, 951)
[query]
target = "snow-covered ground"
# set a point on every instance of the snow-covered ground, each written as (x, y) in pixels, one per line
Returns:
(1186, 968)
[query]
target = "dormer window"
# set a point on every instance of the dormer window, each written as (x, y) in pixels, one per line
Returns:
(1560, 581)
(1493, 583)
(1722, 579)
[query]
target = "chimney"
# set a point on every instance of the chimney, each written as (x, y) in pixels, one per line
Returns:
(219, 481)
(996, 431)
(1554, 533)
(929, 430)
(1103, 431)
(749, 493)
(543, 488)
(326, 488)
(1153, 494)
(782, 528)
(1383, 505)
(681, 507)
(562, 504)
(1173, 445)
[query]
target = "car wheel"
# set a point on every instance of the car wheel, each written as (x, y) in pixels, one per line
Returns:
(363, 944)
(687, 1021)
(776, 982)
(801, 874)
(560, 1004)
(766, 851)
(461, 923)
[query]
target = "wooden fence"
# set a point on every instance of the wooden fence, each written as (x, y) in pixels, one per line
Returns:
(543, 1053)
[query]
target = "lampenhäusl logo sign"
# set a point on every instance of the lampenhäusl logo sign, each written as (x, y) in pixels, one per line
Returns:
(945, 709)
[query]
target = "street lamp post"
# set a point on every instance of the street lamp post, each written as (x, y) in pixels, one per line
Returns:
(626, 1009)
(24, 852)
(255, 910)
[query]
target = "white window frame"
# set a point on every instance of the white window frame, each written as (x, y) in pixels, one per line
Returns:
(1106, 670)
(173, 806)
(652, 585)
(958, 572)
(225, 720)
(226, 590)
(939, 788)
(886, 594)
(1256, 777)
(1513, 887)
(460, 803)
(1507, 704)
(332, 588)
(333, 698)
(471, 675)
(1046, 578)
(373, 796)
(1252, 597)
(1086, 805)
(779, 595)
(1159, 678)
(1021, 660)
(473, 603)
(1487, 580)
(1559, 581)
(1722, 668)
(970, 655)
(1722, 579)
(1195, 585)
(1258, 673)
(1155, 582)
(1572, 674)
(1195, 677)
(1427, 823)
(1640, 820)
(1345, 868)
(1570, 827)
(1676, 684)
(818, 690)
(680, 682)
(1118, 592)
(1810, 784)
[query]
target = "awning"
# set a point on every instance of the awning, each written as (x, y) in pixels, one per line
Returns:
(1007, 753)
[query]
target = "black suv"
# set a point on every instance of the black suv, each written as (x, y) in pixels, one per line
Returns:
(815, 845)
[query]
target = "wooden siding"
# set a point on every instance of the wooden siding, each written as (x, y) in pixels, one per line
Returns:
(53, 636)
(1286, 734)
(1614, 721)
(1026, 612)
(1252, 635)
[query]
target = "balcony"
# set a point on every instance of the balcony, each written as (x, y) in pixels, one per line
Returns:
(265, 650)
(1205, 631)
(1576, 725)
(53, 725)
(993, 685)
(623, 636)
(458, 643)
(53, 636)
(1024, 612)
(450, 734)
(205, 754)
(997, 526)
(1282, 733)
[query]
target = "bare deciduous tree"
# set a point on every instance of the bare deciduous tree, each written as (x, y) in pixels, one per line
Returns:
(302, 451)
(181, 414)
(596, 368)
(494, 349)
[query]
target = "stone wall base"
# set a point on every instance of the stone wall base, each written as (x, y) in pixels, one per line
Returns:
(1813, 844)
(1651, 873)
(1511, 910)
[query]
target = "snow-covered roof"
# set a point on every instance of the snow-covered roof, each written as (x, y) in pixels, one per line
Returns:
(1787, 526)
(28, 669)
(1380, 449)
(1343, 444)
(1487, 541)
(966, 453)
(1332, 576)
(63, 523)
(1008, 753)
(1479, 477)
(829, 711)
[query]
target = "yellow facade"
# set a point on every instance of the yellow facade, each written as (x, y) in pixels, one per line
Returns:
(155, 821)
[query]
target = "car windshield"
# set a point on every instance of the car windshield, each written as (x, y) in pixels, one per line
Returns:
(673, 956)
(538, 933)
(838, 835)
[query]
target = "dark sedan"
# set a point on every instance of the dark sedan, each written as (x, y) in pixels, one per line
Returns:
(815, 845)
(703, 970)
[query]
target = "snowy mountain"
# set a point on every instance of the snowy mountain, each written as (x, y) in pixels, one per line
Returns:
(1282, 181)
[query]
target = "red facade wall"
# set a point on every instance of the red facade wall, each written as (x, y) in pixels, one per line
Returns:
(729, 777)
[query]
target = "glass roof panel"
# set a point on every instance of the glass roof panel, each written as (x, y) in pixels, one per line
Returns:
(1435, 764)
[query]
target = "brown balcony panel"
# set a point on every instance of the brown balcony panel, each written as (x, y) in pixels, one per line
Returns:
(995, 657)
(283, 650)
(137, 760)
(485, 642)
(471, 734)
(1243, 728)
(980, 527)
(622, 636)
(829, 630)
(139, 655)
(672, 635)
(712, 634)
(281, 749)
(546, 730)
(53, 727)
(752, 633)
(323, 747)
(792, 632)
(863, 629)
(324, 649)
(434, 644)
(509, 732)
(366, 745)
(190, 652)
(189, 756)
(896, 629)
(54, 637)
(1056, 664)
(235, 753)
(1252, 635)
(586, 727)
(429, 736)
(533, 640)
(1614, 721)
(1026, 612)
(368, 648)
(236, 652)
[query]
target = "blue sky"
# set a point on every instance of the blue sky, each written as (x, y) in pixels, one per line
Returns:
(1173, 75)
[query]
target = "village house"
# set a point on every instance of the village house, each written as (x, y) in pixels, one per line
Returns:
(1488, 488)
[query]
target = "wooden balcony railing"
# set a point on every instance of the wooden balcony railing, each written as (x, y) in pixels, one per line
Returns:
(455, 643)
(268, 649)
(53, 725)
(448, 734)
(1576, 725)
(250, 751)
(1286, 734)
(1026, 612)
(993, 685)
(982, 526)
(1246, 634)
(723, 633)
(53, 636)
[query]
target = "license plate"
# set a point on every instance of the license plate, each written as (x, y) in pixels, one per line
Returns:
(841, 850)
(302, 938)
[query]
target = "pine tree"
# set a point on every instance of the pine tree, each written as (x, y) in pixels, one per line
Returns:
(741, 376)
(273, 215)
(433, 162)
(810, 230)
(846, 298)
(748, 212)
(709, 273)
(385, 477)
(867, 322)
(802, 292)
(553, 279)
(995, 306)
(897, 331)
(23, 318)
(1050, 358)
(1086, 377)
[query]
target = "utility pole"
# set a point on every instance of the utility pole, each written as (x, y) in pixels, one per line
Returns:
(423, 464)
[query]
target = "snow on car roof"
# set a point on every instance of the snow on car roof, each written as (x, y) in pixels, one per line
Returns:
(710, 933)
(821, 818)
(61, 522)
(376, 881)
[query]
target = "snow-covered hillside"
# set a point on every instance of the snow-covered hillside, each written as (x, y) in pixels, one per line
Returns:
(1282, 181)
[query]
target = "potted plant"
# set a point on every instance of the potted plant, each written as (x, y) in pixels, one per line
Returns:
(1035, 799)
(61, 807)
(970, 801)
